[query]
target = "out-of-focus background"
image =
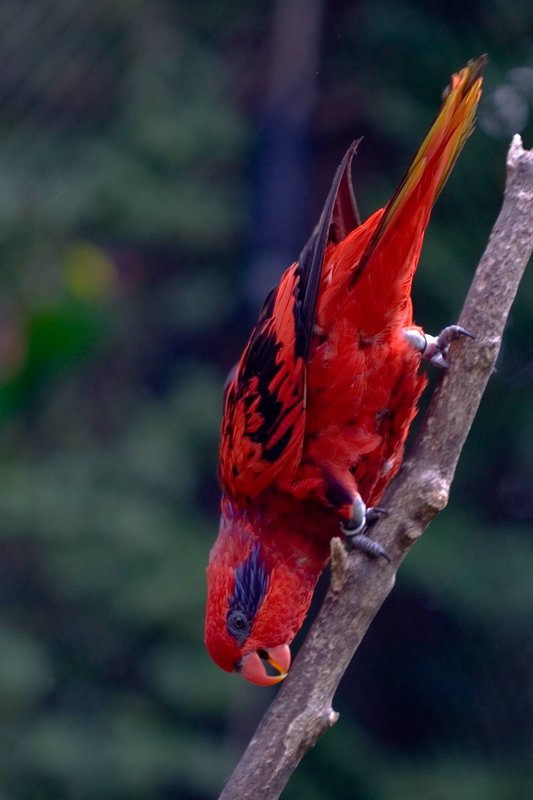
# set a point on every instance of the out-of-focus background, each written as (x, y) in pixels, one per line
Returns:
(160, 163)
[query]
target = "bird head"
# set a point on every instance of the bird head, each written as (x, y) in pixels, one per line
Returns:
(257, 599)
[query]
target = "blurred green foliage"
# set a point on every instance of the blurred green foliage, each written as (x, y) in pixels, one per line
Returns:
(127, 133)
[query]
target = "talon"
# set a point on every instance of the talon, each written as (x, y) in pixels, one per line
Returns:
(435, 348)
(438, 360)
(447, 335)
(361, 519)
(373, 514)
(367, 545)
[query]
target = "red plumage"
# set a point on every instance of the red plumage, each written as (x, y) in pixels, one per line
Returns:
(320, 404)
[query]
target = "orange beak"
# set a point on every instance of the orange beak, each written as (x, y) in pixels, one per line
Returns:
(254, 670)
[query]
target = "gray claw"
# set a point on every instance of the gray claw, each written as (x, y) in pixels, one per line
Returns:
(367, 545)
(363, 518)
(373, 514)
(447, 335)
(437, 347)
(438, 360)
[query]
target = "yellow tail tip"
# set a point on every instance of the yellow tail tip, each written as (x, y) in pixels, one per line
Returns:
(468, 75)
(436, 155)
(452, 127)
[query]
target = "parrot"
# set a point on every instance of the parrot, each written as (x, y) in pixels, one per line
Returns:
(317, 410)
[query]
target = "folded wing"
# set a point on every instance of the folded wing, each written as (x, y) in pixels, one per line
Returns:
(264, 407)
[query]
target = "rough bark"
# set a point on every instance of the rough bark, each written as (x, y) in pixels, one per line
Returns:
(302, 710)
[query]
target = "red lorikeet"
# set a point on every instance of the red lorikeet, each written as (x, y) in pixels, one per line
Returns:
(319, 406)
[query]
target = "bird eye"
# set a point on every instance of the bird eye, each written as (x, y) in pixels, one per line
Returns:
(238, 625)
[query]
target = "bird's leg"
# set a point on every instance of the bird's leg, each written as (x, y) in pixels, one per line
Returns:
(434, 348)
(361, 519)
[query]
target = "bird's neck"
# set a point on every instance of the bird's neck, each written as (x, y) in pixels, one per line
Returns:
(294, 534)
(293, 545)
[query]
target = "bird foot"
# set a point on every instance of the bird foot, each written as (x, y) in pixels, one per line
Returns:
(361, 519)
(435, 348)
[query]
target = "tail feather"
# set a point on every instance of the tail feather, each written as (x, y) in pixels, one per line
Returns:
(392, 253)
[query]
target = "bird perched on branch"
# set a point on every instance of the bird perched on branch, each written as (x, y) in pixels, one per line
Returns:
(318, 409)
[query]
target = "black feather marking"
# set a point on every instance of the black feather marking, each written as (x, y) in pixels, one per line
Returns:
(268, 306)
(339, 216)
(345, 212)
(261, 364)
(274, 452)
(250, 587)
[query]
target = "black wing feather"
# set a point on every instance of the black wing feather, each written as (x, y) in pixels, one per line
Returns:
(339, 217)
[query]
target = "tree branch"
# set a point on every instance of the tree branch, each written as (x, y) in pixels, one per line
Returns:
(302, 710)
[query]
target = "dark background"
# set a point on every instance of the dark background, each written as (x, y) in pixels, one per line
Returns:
(160, 163)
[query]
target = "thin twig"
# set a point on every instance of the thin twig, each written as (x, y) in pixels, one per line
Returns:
(302, 710)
